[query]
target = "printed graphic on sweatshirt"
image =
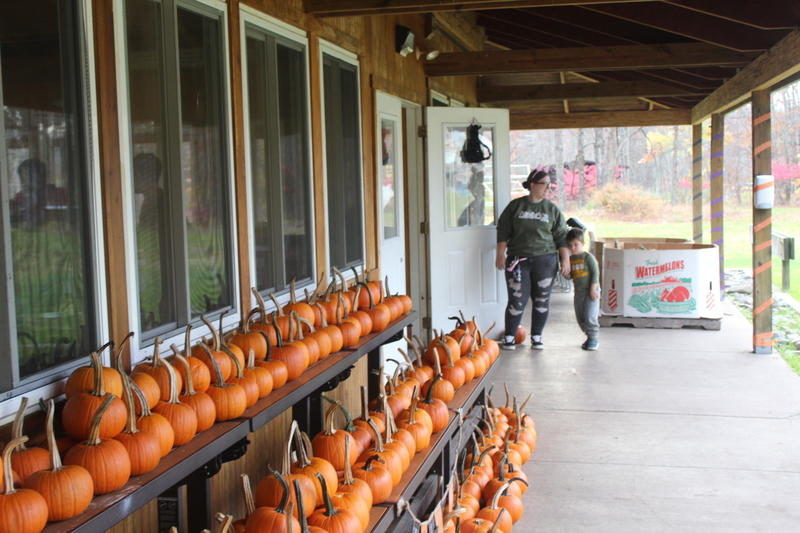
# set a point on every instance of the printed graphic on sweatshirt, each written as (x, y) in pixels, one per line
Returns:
(578, 269)
(534, 215)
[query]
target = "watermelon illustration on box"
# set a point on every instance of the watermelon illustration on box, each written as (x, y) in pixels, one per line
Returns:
(670, 280)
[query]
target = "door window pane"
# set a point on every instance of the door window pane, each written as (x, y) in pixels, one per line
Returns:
(470, 187)
(388, 178)
(45, 179)
(343, 160)
(203, 162)
(151, 192)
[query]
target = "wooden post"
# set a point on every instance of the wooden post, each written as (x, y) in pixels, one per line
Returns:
(697, 182)
(717, 181)
(762, 228)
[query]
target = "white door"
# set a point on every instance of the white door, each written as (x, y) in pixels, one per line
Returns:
(391, 198)
(464, 202)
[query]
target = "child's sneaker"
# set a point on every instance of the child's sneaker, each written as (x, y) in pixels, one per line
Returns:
(536, 343)
(508, 343)
(591, 345)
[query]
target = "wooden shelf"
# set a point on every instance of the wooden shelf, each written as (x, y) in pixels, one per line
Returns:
(109, 509)
(383, 515)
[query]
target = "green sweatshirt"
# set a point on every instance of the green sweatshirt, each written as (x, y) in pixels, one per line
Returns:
(583, 271)
(531, 228)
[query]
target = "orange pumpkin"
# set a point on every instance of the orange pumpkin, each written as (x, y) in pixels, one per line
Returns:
(158, 371)
(332, 519)
(310, 343)
(322, 339)
(201, 374)
(301, 511)
(200, 402)
(230, 399)
(261, 375)
(247, 339)
(247, 383)
(310, 466)
(439, 388)
(67, 489)
(143, 447)
(25, 461)
(364, 318)
(277, 369)
(273, 520)
(303, 309)
(332, 331)
(377, 477)
(22, 510)
(330, 442)
(181, 417)
(416, 425)
(79, 410)
(294, 356)
(153, 422)
(82, 379)
(352, 485)
(436, 408)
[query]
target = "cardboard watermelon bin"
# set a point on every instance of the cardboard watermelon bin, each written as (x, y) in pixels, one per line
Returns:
(661, 280)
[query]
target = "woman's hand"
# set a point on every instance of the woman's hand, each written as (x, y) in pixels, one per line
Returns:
(563, 255)
(500, 256)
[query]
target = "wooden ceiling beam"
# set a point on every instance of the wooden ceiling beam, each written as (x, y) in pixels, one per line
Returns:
(569, 91)
(349, 8)
(526, 120)
(530, 22)
(632, 57)
(694, 25)
(764, 14)
(775, 65)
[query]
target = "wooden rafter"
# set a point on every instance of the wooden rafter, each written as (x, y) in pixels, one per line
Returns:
(580, 90)
(526, 120)
(596, 59)
(349, 8)
(694, 25)
(764, 14)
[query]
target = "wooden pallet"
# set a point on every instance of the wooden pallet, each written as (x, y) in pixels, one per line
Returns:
(659, 322)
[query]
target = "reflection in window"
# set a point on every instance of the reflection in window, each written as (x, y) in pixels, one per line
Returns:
(389, 178)
(179, 163)
(277, 104)
(44, 181)
(470, 187)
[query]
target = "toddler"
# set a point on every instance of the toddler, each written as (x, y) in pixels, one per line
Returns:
(586, 283)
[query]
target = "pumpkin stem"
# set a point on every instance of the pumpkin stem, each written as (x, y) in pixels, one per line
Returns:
(292, 296)
(348, 470)
(188, 383)
(127, 396)
(247, 490)
(94, 431)
(213, 330)
(323, 320)
(143, 405)
(447, 352)
(488, 330)
(225, 522)
(307, 447)
(364, 404)
(429, 395)
(187, 341)
(371, 459)
(496, 497)
(378, 438)
(302, 454)
(496, 525)
(348, 418)
(236, 362)
(339, 307)
(116, 355)
(330, 510)
(298, 495)
(329, 427)
(412, 413)
(16, 427)
(508, 394)
(278, 333)
(278, 308)
(251, 358)
(99, 382)
(286, 459)
(522, 407)
(388, 429)
(308, 324)
(296, 319)
(8, 474)
(173, 382)
(284, 495)
(406, 357)
(214, 365)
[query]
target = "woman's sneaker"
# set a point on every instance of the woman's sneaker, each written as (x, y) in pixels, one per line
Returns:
(536, 343)
(591, 345)
(508, 344)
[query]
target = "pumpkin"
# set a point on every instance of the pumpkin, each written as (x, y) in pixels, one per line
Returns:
(393, 446)
(469, 504)
(352, 485)
(149, 387)
(79, 410)
(397, 402)
(311, 466)
(442, 388)
(490, 346)
(304, 527)
(180, 416)
(436, 348)
(67, 489)
(377, 477)
(403, 299)
(332, 331)
(247, 339)
(21, 510)
(364, 318)
(329, 443)
(349, 295)
(417, 425)
(273, 520)
(82, 379)
(277, 369)
(261, 375)
(436, 408)
(403, 436)
(464, 339)
(480, 525)
(495, 513)
(452, 373)
(303, 309)
(361, 432)
(332, 519)
(201, 374)
(204, 352)
(392, 460)
(262, 325)
(153, 422)
(25, 461)
(322, 338)
(143, 447)
(310, 343)
(230, 399)
(158, 371)
(417, 372)
(480, 361)
(247, 383)
(380, 313)
(293, 355)
(107, 461)
(416, 346)
(269, 489)
(395, 304)
(200, 402)
(350, 327)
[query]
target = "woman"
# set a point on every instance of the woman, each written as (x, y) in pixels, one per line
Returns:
(531, 235)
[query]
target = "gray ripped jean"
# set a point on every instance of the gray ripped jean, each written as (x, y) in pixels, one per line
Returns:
(535, 280)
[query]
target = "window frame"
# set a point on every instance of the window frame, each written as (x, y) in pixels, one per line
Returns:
(48, 383)
(140, 349)
(292, 36)
(326, 47)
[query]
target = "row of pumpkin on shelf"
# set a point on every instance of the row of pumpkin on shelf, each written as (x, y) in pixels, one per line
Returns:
(119, 425)
(331, 487)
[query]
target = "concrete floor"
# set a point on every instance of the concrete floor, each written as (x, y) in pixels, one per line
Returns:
(659, 430)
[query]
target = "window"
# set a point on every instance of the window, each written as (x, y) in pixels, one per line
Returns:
(180, 162)
(48, 301)
(343, 162)
(279, 160)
